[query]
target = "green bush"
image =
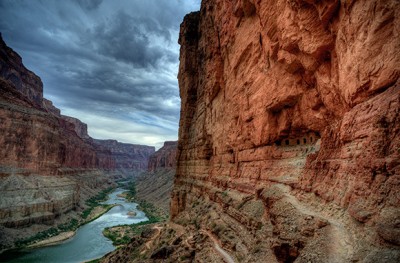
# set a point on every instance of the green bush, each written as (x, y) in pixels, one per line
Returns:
(95, 201)
(54, 231)
(131, 194)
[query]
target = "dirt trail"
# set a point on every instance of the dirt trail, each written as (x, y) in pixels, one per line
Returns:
(148, 243)
(227, 258)
(342, 241)
(180, 230)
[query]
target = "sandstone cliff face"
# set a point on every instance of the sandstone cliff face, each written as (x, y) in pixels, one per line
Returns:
(155, 187)
(165, 157)
(34, 134)
(23, 80)
(289, 129)
(79, 127)
(48, 105)
(129, 158)
(40, 142)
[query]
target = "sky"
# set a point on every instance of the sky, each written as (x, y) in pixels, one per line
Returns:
(113, 64)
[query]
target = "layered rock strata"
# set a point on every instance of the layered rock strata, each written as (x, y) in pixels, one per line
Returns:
(130, 159)
(35, 137)
(165, 157)
(289, 133)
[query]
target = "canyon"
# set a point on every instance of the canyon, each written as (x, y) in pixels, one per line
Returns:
(288, 150)
(289, 139)
(49, 165)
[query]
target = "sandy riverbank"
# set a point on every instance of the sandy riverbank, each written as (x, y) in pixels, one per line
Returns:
(123, 195)
(95, 213)
(54, 240)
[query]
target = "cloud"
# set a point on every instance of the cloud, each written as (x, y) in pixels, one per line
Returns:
(89, 4)
(105, 62)
(133, 40)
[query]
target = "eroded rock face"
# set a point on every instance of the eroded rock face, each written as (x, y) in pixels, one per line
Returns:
(35, 137)
(164, 158)
(78, 126)
(39, 199)
(48, 105)
(22, 79)
(287, 105)
(129, 157)
(35, 140)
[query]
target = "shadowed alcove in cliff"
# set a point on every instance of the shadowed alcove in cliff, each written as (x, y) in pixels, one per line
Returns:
(308, 142)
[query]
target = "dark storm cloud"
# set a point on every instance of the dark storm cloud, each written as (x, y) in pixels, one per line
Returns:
(129, 38)
(106, 62)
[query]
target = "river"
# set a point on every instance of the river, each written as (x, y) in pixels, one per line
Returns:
(89, 242)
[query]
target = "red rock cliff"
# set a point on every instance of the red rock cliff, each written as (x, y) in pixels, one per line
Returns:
(165, 157)
(22, 79)
(79, 127)
(287, 105)
(34, 135)
(128, 157)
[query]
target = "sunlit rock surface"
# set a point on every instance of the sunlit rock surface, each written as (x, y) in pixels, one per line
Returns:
(289, 132)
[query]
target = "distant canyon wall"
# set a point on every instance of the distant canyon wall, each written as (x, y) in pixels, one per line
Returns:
(130, 159)
(164, 158)
(300, 95)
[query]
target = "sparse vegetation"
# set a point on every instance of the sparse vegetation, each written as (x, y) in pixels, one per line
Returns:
(95, 201)
(73, 224)
(131, 193)
(116, 236)
(122, 234)
(70, 226)
(153, 214)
